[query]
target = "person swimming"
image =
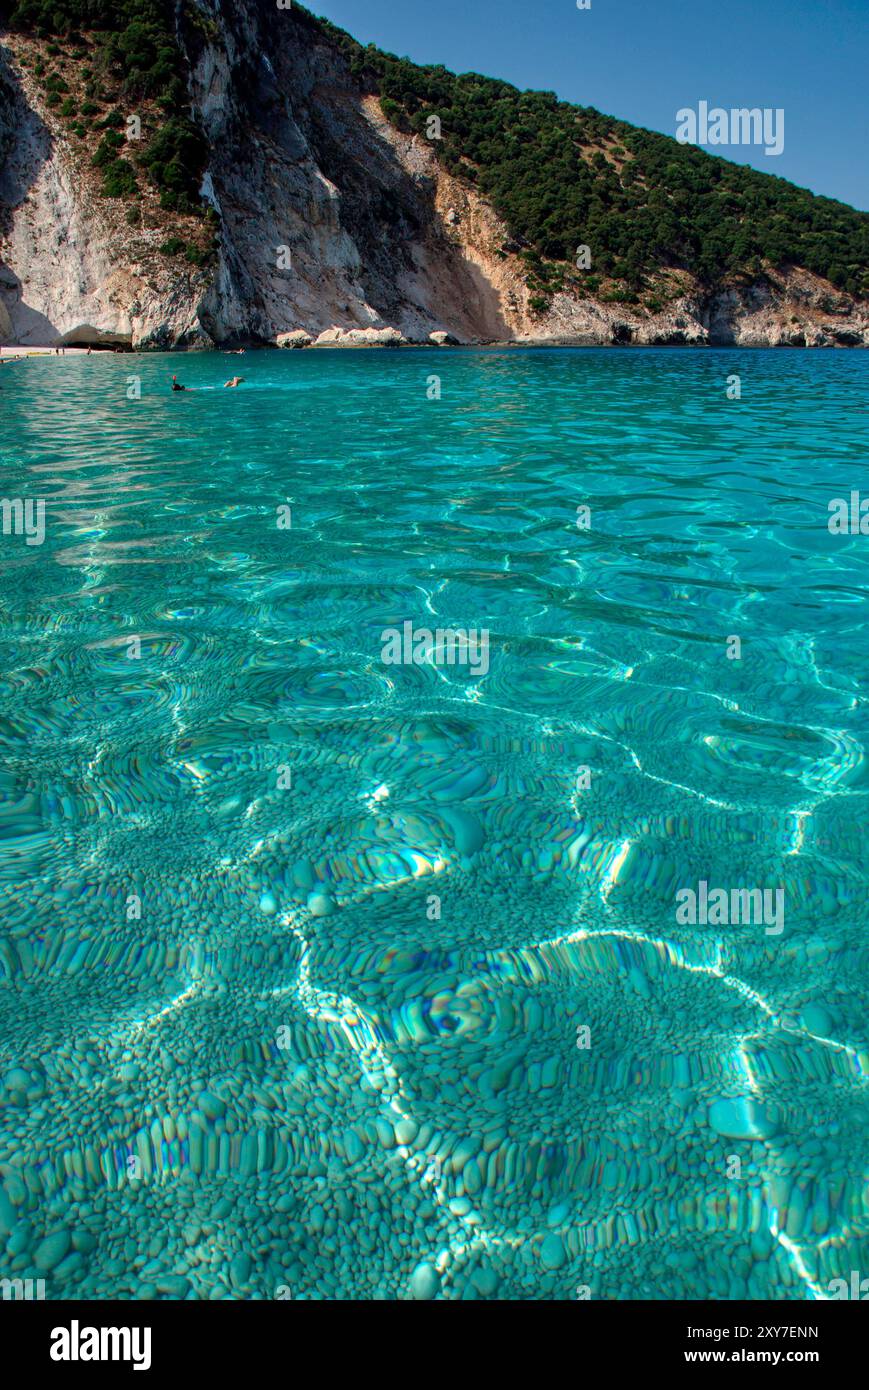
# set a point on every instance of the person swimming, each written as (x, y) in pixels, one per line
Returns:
(176, 385)
(236, 381)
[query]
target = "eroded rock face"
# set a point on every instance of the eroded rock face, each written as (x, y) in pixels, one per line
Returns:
(86, 335)
(70, 269)
(325, 226)
(333, 225)
(793, 309)
(7, 334)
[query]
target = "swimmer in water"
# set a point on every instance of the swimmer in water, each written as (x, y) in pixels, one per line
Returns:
(176, 385)
(236, 381)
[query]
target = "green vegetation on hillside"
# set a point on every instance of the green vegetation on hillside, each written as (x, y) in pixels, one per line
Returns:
(132, 55)
(563, 176)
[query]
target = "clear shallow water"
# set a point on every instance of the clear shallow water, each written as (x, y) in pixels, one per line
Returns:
(243, 1052)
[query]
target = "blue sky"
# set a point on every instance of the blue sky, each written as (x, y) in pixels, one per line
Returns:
(643, 60)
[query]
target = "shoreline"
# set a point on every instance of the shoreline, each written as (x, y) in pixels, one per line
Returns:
(18, 354)
(10, 354)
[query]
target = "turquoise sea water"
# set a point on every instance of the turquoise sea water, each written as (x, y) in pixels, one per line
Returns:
(326, 977)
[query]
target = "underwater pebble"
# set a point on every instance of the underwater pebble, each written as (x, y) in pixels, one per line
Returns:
(552, 1252)
(465, 1150)
(558, 1214)
(8, 1214)
(385, 1132)
(50, 1251)
(742, 1117)
(303, 874)
(815, 1019)
(406, 1131)
(19, 1241)
(425, 1282)
(485, 1281)
(320, 905)
(173, 1285)
(469, 833)
(210, 1105)
(69, 1267)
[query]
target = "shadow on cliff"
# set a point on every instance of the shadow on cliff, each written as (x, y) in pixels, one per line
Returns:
(296, 161)
(29, 328)
(25, 146)
(409, 262)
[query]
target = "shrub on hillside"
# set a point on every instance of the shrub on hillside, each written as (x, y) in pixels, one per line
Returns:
(119, 180)
(135, 55)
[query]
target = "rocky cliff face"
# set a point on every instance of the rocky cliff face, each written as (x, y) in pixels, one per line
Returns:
(71, 268)
(331, 224)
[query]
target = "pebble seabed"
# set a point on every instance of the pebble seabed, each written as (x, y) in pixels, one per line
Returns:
(424, 1124)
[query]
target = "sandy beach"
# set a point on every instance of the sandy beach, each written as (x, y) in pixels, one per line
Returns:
(17, 353)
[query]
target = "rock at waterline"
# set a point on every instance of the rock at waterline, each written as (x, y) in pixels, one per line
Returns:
(297, 338)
